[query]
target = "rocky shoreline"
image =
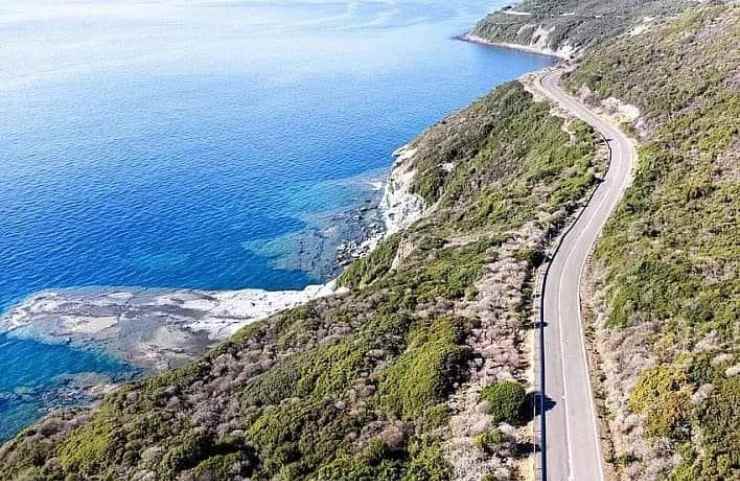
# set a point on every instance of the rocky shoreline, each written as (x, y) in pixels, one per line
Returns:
(157, 329)
(69, 390)
(564, 53)
(150, 329)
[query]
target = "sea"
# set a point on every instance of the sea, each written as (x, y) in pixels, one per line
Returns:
(197, 143)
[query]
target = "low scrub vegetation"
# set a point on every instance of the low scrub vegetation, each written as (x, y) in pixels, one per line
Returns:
(489, 441)
(574, 23)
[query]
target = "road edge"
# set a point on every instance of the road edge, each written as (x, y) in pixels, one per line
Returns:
(540, 427)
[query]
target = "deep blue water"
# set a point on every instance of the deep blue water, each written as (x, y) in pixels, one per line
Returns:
(162, 143)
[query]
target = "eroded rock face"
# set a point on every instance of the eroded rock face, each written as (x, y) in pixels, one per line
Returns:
(401, 206)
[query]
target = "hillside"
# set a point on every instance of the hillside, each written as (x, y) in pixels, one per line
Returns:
(664, 280)
(420, 369)
(666, 270)
(384, 382)
(568, 27)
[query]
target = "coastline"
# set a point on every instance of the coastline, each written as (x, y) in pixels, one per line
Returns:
(149, 328)
(156, 329)
(162, 328)
(563, 54)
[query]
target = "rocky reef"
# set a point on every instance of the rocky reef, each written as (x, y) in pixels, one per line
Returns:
(166, 328)
(148, 328)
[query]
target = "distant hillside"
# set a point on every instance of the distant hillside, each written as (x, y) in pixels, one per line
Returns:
(569, 26)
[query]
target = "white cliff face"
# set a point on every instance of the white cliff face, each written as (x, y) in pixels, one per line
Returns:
(517, 13)
(401, 207)
(537, 44)
(525, 27)
(540, 42)
(539, 38)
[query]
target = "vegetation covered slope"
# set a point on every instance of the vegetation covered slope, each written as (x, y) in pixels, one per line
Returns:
(368, 385)
(669, 261)
(571, 25)
(417, 372)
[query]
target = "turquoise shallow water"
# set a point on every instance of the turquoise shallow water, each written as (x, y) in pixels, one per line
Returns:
(39, 376)
(162, 144)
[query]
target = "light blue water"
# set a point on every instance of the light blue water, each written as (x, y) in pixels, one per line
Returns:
(159, 143)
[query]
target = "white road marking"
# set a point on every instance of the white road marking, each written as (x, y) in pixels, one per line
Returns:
(622, 154)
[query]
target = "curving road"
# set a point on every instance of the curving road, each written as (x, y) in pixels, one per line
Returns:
(572, 450)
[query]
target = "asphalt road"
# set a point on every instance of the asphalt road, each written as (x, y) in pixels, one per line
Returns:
(572, 447)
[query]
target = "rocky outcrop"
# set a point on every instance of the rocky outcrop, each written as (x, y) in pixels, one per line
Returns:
(401, 207)
(536, 43)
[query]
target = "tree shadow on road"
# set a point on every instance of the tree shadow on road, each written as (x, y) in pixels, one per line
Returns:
(533, 406)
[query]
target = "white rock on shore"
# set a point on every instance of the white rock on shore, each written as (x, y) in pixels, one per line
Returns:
(400, 206)
(149, 328)
(565, 51)
(252, 304)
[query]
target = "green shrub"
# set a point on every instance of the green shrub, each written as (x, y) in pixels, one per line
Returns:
(424, 374)
(506, 400)
(88, 446)
(435, 417)
(488, 441)
(533, 257)
(375, 462)
(365, 270)
(427, 463)
(661, 394)
(219, 467)
(345, 467)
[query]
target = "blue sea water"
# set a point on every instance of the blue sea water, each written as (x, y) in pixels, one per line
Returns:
(37, 376)
(161, 143)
